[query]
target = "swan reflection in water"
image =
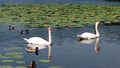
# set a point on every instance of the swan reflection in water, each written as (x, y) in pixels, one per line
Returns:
(34, 48)
(97, 48)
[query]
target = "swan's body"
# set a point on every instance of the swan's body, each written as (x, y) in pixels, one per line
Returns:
(88, 35)
(36, 40)
(39, 40)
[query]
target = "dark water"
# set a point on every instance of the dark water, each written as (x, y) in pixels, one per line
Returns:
(66, 51)
(58, 1)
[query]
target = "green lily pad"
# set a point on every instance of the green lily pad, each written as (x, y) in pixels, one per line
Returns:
(1, 56)
(55, 67)
(7, 60)
(5, 57)
(20, 62)
(6, 66)
(12, 48)
(44, 61)
(14, 54)
(76, 14)
(20, 67)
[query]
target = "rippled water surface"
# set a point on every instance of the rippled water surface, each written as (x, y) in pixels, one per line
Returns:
(66, 50)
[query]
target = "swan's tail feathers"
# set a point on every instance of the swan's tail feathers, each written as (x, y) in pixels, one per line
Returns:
(26, 40)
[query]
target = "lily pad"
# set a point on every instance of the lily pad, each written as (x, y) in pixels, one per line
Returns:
(14, 54)
(7, 60)
(12, 48)
(44, 61)
(1, 56)
(20, 67)
(55, 67)
(5, 57)
(20, 62)
(76, 14)
(6, 66)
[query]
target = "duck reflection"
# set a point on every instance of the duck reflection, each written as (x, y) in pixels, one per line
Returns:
(34, 48)
(97, 48)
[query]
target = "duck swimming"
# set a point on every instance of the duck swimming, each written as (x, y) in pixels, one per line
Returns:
(11, 27)
(24, 31)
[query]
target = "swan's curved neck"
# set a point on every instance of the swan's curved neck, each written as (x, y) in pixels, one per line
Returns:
(49, 36)
(96, 29)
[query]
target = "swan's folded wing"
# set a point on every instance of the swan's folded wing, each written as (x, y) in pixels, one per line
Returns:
(88, 35)
(38, 40)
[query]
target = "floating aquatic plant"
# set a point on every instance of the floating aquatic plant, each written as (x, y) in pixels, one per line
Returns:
(20, 67)
(4, 57)
(14, 54)
(55, 67)
(1, 56)
(12, 48)
(58, 14)
(44, 61)
(20, 62)
(6, 66)
(7, 60)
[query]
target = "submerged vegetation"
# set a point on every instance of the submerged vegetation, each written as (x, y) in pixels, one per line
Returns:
(59, 14)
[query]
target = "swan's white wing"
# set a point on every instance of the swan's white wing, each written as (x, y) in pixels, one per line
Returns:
(87, 35)
(37, 40)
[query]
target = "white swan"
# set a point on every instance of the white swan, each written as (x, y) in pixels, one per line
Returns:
(88, 35)
(39, 40)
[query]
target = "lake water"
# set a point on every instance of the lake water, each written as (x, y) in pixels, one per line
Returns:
(66, 51)
(58, 1)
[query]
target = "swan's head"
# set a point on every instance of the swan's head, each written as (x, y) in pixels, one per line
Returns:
(50, 29)
(97, 23)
